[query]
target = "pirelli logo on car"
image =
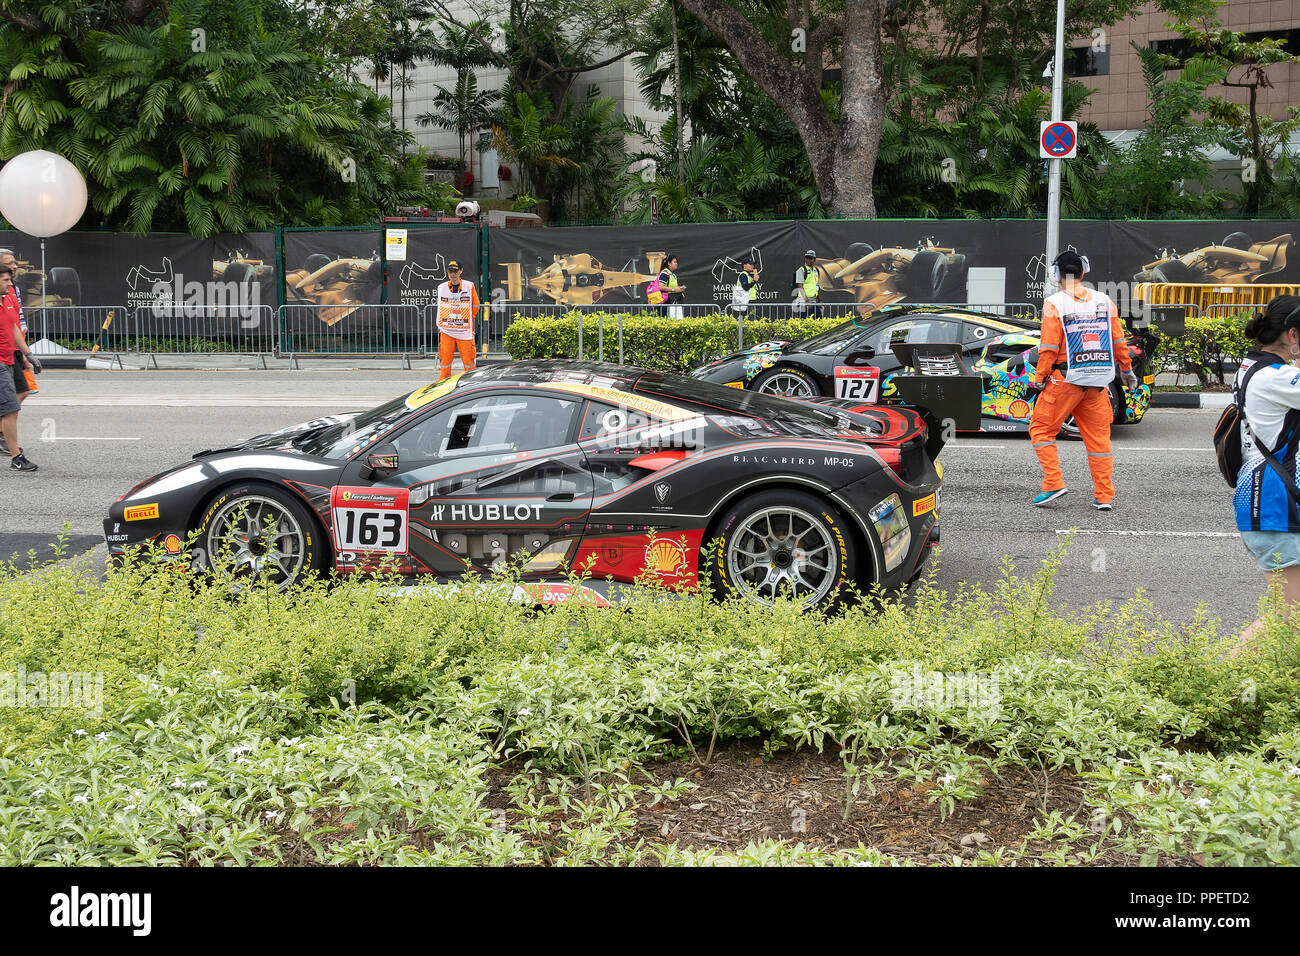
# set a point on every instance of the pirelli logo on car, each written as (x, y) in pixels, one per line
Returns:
(923, 505)
(141, 512)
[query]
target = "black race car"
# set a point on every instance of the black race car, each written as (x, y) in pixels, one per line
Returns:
(613, 471)
(855, 360)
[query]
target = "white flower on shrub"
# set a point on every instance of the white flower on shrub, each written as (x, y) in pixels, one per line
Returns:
(102, 735)
(79, 732)
(39, 792)
(275, 816)
(1202, 802)
(1165, 778)
(1293, 771)
(525, 712)
(947, 779)
(178, 784)
(81, 798)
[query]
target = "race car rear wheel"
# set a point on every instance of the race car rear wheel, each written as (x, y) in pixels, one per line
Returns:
(784, 543)
(791, 382)
(1237, 240)
(255, 530)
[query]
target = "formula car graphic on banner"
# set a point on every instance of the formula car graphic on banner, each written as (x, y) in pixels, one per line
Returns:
(1235, 260)
(342, 284)
(553, 466)
(62, 285)
(233, 292)
(579, 279)
(879, 277)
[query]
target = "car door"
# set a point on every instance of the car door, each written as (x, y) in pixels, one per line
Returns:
(490, 478)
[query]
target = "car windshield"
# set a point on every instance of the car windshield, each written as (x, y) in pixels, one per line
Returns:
(833, 341)
(338, 441)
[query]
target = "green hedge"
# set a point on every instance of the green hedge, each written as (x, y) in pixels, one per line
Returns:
(1208, 349)
(650, 341)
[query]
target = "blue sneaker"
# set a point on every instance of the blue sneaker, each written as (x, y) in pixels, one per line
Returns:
(1047, 497)
(1101, 505)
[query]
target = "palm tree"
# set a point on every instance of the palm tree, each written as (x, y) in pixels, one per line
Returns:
(463, 109)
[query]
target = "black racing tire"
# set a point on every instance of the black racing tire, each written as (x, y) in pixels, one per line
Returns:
(240, 273)
(66, 283)
(857, 250)
(230, 551)
(788, 381)
(316, 261)
(1237, 240)
(924, 277)
(1173, 270)
(776, 526)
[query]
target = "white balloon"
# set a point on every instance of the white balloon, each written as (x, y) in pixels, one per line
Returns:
(41, 193)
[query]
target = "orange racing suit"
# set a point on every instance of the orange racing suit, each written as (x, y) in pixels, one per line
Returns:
(1067, 312)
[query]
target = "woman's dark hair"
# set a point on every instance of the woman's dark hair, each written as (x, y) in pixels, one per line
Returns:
(1279, 315)
(669, 258)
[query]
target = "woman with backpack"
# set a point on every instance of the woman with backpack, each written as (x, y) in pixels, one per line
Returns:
(1267, 393)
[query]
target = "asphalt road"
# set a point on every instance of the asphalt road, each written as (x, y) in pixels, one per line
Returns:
(96, 433)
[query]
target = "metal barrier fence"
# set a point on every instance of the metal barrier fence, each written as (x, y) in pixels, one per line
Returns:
(301, 330)
(316, 329)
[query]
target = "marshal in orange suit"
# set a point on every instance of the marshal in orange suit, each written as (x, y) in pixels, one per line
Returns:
(1082, 342)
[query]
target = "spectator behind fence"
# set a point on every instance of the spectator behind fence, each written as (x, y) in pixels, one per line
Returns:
(673, 291)
(14, 356)
(742, 293)
(1267, 389)
(807, 286)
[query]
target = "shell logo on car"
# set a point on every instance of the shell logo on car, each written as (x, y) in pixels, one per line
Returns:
(665, 557)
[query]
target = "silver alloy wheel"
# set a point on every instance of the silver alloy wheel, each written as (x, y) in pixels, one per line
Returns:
(782, 548)
(252, 535)
(784, 383)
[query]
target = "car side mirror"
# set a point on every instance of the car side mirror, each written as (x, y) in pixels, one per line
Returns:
(860, 356)
(381, 462)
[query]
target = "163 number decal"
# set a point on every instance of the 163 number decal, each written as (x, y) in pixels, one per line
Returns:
(366, 519)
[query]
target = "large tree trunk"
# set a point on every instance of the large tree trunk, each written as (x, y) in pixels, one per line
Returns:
(842, 160)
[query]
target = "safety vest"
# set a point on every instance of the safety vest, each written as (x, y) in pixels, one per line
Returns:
(456, 309)
(810, 284)
(1089, 351)
(741, 295)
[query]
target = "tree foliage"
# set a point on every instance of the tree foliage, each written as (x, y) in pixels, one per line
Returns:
(198, 116)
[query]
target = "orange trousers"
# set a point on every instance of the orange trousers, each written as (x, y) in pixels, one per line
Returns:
(447, 347)
(1093, 414)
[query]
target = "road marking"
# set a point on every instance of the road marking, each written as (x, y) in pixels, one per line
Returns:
(1155, 534)
(88, 438)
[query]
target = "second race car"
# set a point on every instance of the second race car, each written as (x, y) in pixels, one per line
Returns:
(554, 466)
(1002, 351)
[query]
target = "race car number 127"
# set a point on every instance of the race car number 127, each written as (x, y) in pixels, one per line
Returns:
(860, 382)
(367, 519)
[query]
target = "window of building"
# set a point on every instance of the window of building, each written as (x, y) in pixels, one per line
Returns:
(1085, 61)
(1183, 50)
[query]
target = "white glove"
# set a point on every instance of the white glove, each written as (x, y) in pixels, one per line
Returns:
(1130, 381)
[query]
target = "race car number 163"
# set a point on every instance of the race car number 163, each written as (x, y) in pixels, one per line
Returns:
(368, 519)
(860, 382)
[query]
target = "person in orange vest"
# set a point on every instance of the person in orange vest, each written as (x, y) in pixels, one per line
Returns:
(458, 303)
(1082, 340)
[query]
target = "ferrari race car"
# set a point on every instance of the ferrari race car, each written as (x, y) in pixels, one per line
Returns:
(1235, 260)
(605, 470)
(1003, 352)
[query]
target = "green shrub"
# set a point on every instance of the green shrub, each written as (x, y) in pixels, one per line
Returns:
(1205, 348)
(650, 341)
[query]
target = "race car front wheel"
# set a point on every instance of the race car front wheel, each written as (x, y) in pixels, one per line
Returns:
(257, 531)
(784, 543)
(791, 382)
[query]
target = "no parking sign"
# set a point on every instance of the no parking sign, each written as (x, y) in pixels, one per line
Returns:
(1058, 140)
